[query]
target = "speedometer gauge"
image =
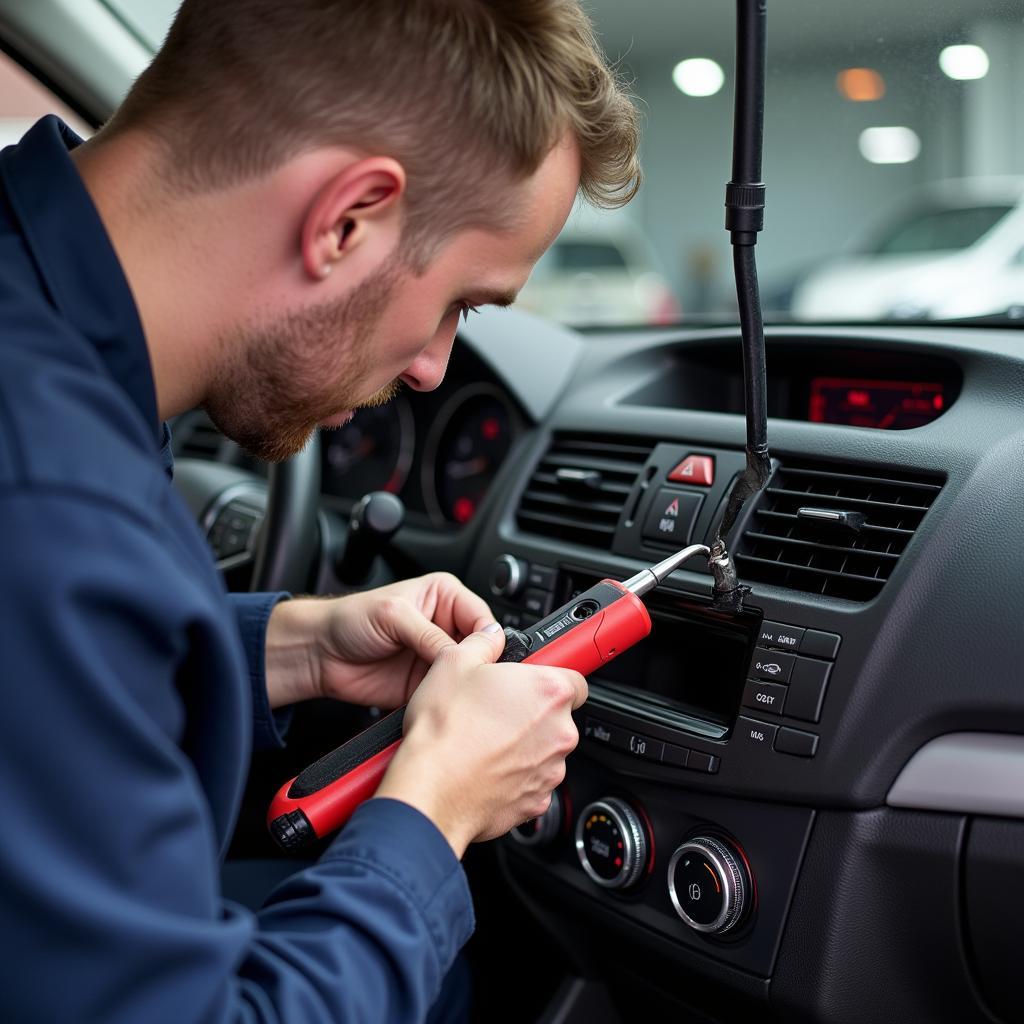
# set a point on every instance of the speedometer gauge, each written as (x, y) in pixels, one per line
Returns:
(372, 453)
(465, 448)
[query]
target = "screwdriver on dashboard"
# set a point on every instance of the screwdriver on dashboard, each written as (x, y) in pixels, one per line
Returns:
(588, 631)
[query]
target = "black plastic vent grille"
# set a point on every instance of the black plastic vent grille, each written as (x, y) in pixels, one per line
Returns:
(786, 549)
(195, 437)
(578, 490)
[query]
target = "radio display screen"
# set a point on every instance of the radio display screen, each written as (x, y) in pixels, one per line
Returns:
(881, 404)
(693, 662)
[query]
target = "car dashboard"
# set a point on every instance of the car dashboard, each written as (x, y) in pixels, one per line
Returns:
(812, 809)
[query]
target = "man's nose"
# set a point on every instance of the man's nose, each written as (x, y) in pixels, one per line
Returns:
(427, 370)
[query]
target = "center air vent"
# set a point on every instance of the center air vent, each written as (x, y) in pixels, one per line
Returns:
(578, 490)
(831, 532)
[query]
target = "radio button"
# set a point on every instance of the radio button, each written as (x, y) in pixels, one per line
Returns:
(781, 636)
(644, 747)
(604, 734)
(768, 698)
(774, 666)
(807, 689)
(820, 645)
(749, 732)
(675, 756)
(796, 742)
(701, 762)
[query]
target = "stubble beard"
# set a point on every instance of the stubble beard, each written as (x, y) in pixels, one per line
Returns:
(285, 378)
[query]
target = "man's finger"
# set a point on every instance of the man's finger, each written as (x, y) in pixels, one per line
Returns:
(482, 647)
(413, 630)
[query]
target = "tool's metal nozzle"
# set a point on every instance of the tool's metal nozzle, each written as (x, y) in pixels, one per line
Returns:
(646, 580)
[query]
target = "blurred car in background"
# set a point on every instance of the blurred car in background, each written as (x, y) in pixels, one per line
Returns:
(949, 249)
(602, 269)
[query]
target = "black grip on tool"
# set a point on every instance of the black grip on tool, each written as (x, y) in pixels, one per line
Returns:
(340, 761)
(517, 646)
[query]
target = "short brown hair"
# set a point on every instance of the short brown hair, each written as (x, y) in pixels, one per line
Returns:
(464, 93)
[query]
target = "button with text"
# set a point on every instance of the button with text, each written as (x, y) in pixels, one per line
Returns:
(766, 697)
(643, 746)
(670, 519)
(604, 734)
(694, 469)
(774, 666)
(748, 732)
(778, 634)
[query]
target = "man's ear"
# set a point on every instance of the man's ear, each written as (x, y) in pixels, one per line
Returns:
(349, 204)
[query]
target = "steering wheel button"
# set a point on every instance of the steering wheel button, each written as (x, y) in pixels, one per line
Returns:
(768, 698)
(774, 666)
(694, 469)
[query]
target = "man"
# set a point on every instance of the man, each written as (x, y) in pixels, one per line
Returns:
(289, 214)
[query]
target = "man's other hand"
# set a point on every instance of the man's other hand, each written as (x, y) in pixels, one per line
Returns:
(484, 744)
(370, 648)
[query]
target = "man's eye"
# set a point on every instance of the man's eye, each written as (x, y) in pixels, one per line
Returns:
(465, 309)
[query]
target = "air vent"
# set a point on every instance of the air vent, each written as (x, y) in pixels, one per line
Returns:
(831, 532)
(580, 487)
(195, 437)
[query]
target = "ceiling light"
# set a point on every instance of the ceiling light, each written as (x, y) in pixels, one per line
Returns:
(698, 76)
(895, 145)
(861, 85)
(964, 62)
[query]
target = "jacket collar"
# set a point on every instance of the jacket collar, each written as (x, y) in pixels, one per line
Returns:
(76, 259)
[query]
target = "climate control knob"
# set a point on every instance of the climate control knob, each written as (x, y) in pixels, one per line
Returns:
(508, 574)
(540, 831)
(611, 843)
(709, 885)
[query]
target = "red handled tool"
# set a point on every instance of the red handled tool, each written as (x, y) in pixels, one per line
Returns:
(584, 634)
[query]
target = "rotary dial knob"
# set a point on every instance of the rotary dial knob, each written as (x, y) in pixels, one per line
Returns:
(611, 843)
(709, 885)
(540, 831)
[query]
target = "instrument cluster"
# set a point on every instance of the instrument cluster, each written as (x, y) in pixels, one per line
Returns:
(438, 451)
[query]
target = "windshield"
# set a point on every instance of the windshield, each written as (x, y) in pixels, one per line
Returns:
(869, 107)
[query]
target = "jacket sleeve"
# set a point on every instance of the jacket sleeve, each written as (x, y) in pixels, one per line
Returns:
(109, 896)
(252, 613)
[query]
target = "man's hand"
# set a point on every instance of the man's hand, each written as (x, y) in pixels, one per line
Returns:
(484, 744)
(368, 648)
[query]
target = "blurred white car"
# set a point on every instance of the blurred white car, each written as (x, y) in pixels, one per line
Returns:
(951, 248)
(601, 269)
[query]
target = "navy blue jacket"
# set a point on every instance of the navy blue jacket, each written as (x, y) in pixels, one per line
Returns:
(131, 685)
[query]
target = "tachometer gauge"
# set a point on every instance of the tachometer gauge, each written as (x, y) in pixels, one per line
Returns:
(372, 453)
(465, 448)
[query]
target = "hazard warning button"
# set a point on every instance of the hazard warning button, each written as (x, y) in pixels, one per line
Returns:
(694, 469)
(671, 517)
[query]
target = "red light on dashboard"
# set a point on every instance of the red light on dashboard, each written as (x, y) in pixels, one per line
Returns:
(463, 510)
(858, 399)
(491, 429)
(937, 402)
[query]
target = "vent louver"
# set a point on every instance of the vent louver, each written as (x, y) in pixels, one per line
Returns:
(579, 488)
(785, 544)
(195, 437)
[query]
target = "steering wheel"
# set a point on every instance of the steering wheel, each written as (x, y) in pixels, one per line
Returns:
(283, 513)
(288, 539)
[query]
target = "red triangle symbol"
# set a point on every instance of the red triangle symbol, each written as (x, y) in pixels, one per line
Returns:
(673, 509)
(687, 470)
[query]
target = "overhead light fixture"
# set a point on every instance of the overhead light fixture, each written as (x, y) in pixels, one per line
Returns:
(964, 62)
(698, 76)
(861, 85)
(890, 145)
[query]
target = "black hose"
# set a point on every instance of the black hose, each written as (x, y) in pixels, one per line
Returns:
(744, 218)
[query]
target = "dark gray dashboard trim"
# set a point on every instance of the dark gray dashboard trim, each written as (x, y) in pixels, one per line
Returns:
(964, 772)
